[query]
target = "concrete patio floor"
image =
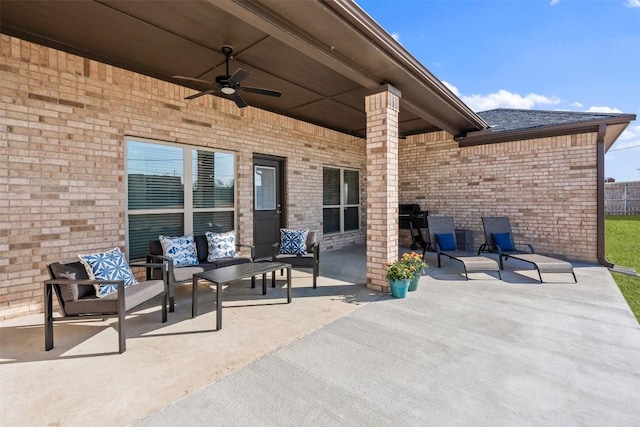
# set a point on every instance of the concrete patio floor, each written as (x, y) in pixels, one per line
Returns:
(482, 352)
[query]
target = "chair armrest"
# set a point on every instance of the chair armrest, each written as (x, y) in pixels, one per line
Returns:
(148, 264)
(525, 244)
(165, 261)
(251, 247)
(82, 282)
(316, 251)
(153, 257)
(275, 251)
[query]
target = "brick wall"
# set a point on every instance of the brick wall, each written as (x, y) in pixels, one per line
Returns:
(63, 120)
(546, 186)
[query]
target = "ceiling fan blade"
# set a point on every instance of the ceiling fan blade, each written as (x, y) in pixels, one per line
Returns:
(191, 79)
(199, 94)
(238, 100)
(260, 91)
(239, 75)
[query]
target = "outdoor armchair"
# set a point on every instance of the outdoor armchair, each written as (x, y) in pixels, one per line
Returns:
(77, 298)
(311, 259)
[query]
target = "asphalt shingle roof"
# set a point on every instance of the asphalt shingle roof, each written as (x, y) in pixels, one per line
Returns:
(506, 119)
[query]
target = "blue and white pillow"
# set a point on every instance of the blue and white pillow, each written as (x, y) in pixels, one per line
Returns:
(293, 242)
(221, 245)
(181, 249)
(110, 265)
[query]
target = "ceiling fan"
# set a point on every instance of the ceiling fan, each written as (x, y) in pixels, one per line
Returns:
(229, 84)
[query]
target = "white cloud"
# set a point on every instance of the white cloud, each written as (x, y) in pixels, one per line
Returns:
(506, 99)
(396, 36)
(577, 105)
(553, 2)
(452, 88)
(596, 109)
(633, 3)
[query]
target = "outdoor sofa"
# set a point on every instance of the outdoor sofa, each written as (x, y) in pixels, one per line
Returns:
(184, 274)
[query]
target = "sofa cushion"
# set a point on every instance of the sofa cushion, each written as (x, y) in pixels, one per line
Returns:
(202, 247)
(109, 265)
(182, 250)
(221, 245)
(134, 296)
(72, 271)
(183, 274)
(293, 241)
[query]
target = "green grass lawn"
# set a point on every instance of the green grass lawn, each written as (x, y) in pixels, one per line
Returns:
(622, 234)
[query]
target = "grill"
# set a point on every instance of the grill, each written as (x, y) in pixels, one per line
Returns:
(411, 217)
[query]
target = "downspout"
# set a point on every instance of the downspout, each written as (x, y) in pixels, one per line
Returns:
(602, 131)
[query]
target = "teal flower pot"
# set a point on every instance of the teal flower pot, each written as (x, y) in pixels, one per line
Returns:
(413, 285)
(399, 288)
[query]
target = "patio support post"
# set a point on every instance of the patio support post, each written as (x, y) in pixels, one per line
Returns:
(382, 107)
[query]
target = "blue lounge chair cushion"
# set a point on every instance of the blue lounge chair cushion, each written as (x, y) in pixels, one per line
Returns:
(503, 240)
(446, 242)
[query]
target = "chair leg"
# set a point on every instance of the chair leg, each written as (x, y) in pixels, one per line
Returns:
(574, 277)
(48, 317)
(122, 334)
(253, 282)
(165, 299)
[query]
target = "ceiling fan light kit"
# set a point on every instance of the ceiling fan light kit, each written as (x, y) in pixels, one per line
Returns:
(229, 84)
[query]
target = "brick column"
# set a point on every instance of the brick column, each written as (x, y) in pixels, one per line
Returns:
(382, 109)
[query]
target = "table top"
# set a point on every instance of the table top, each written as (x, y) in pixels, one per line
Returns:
(240, 271)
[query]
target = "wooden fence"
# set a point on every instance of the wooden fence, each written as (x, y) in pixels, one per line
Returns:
(622, 198)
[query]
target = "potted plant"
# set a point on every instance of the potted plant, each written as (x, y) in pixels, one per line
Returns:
(399, 275)
(416, 263)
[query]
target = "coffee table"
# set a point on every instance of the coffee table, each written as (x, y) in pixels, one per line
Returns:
(226, 275)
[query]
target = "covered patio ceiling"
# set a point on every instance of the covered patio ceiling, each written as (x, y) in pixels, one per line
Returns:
(324, 56)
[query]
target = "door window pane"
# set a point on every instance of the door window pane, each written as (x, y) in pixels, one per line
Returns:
(265, 188)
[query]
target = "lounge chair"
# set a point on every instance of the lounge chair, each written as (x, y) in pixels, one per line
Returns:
(499, 239)
(442, 236)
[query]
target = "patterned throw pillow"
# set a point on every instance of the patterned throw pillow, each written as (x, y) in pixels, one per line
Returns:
(181, 249)
(293, 241)
(110, 265)
(221, 245)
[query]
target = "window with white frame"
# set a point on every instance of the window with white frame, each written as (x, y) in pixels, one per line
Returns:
(157, 203)
(340, 200)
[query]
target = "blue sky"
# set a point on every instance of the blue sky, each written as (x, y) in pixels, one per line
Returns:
(577, 55)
